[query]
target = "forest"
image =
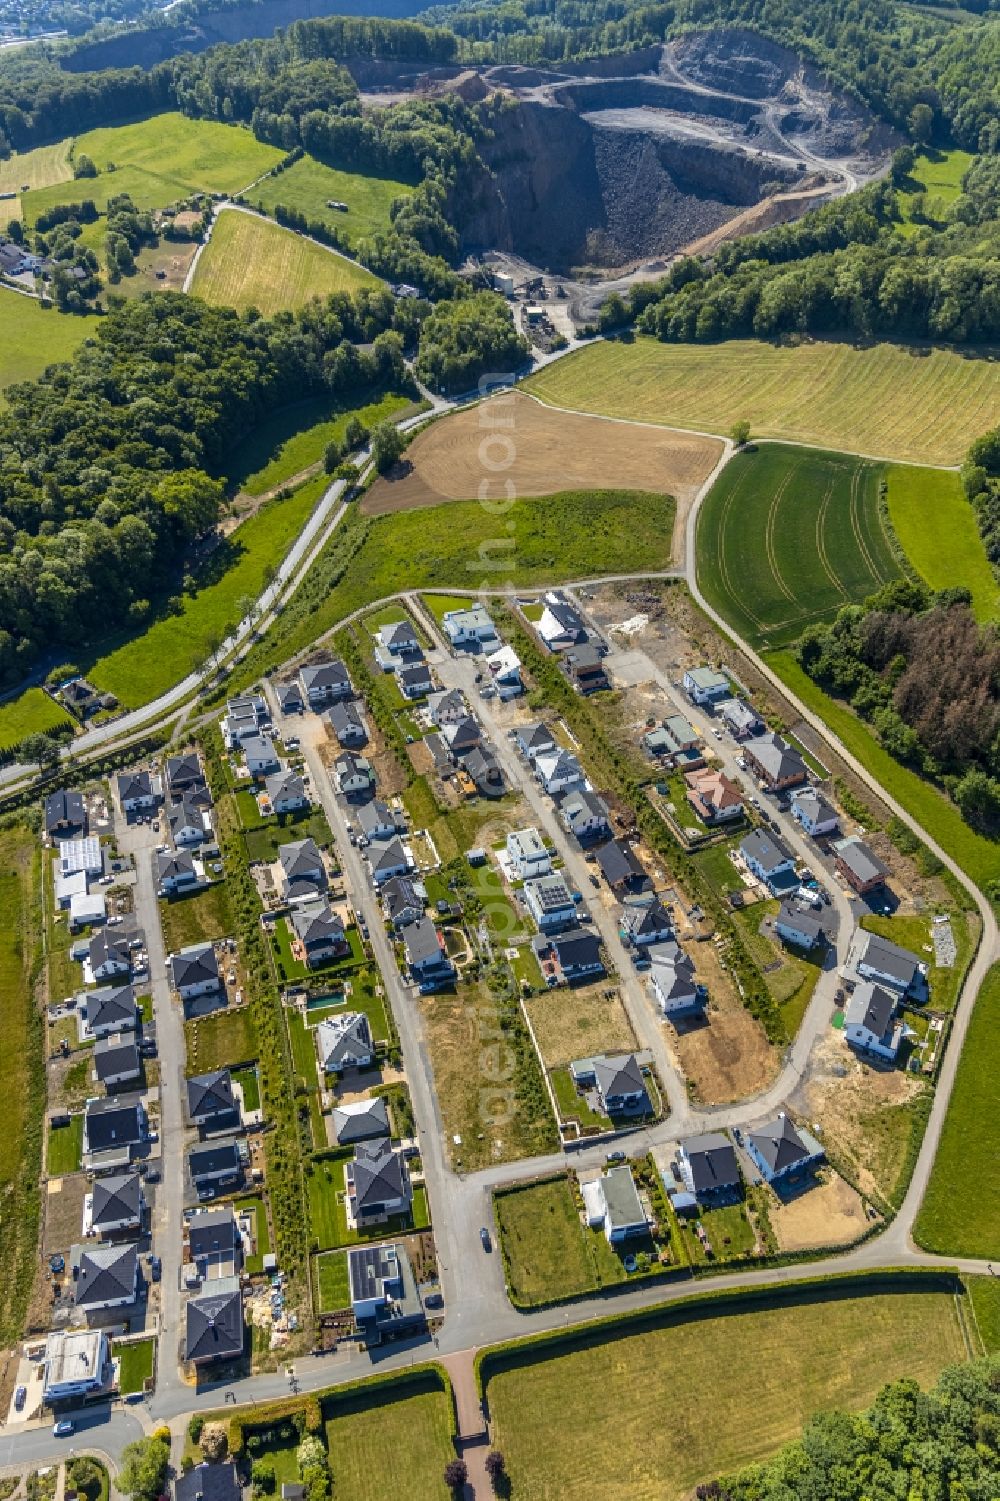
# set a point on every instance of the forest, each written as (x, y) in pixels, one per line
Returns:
(942, 1445)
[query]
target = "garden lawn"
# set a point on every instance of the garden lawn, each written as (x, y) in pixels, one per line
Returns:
(960, 1213)
(767, 1370)
(250, 1084)
(893, 401)
(382, 1447)
(979, 857)
(135, 1365)
(333, 1284)
(220, 1040)
(788, 536)
(201, 918)
(362, 998)
(984, 1293)
(31, 713)
(308, 185)
(914, 933)
(936, 528)
(328, 1213)
(174, 645)
(294, 439)
(253, 263)
(65, 1147)
(255, 1263)
(35, 337)
(263, 843)
(548, 1254)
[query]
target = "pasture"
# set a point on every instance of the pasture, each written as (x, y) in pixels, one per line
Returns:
(309, 185)
(960, 1213)
(251, 262)
(512, 446)
(160, 160)
(767, 1369)
(788, 536)
(41, 168)
(936, 527)
(889, 400)
(34, 337)
(384, 1446)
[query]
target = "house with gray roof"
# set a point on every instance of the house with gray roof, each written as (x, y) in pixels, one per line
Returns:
(65, 814)
(321, 933)
(386, 858)
(184, 773)
(817, 816)
(739, 717)
(402, 904)
(860, 867)
(113, 1131)
(214, 1241)
(138, 791)
(194, 971)
(214, 1328)
(870, 1023)
(887, 963)
(377, 1184)
(446, 706)
(798, 928)
(769, 859)
(110, 955)
(303, 874)
(774, 763)
(534, 740)
(673, 980)
(286, 791)
(364, 1120)
(216, 1164)
(470, 626)
(291, 699)
(617, 1081)
(116, 1204)
(259, 754)
(708, 1165)
(414, 679)
(211, 1102)
(189, 823)
(579, 954)
(354, 775)
(461, 734)
(484, 768)
(399, 639)
(376, 820)
(558, 771)
(585, 814)
(175, 872)
(782, 1152)
(105, 1277)
(344, 1041)
(347, 724)
(643, 923)
(110, 1008)
(117, 1061)
(550, 903)
(624, 1216)
(325, 683)
(706, 685)
(622, 868)
(427, 961)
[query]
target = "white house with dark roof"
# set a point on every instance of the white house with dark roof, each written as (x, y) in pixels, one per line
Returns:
(111, 1008)
(362, 1120)
(377, 1184)
(560, 624)
(578, 953)
(708, 1165)
(303, 874)
(347, 724)
(194, 971)
(427, 961)
(214, 1332)
(184, 773)
(105, 1277)
(402, 903)
(117, 1060)
(870, 1023)
(767, 857)
(414, 679)
(353, 775)
(286, 791)
(138, 791)
(585, 814)
(534, 740)
(376, 820)
(399, 639)
(739, 717)
(798, 928)
(550, 902)
(446, 706)
(643, 923)
(461, 734)
(618, 1082)
(558, 771)
(260, 755)
(504, 666)
(211, 1101)
(320, 931)
(113, 1131)
(817, 816)
(325, 683)
(189, 823)
(673, 981)
(291, 699)
(65, 814)
(386, 858)
(343, 1041)
(109, 955)
(114, 1205)
(886, 963)
(782, 1152)
(176, 871)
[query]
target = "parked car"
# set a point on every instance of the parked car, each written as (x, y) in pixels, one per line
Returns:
(155, 1268)
(20, 1396)
(152, 1175)
(616, 1157)
(63, 1428)
(434, 1300)
(484, 1236)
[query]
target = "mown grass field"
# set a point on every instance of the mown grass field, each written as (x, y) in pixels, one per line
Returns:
(787, 536)
(979, 857)
(160, 160)
(960, 1213)
(309, 184)
(32, 337)
(22, 1069)
(891, 401)
(136, 1365)
(398, 1448)
(31, 713)
(936, 528)
(296, 438)
(762, 1374)
(41, 168)
(938, 175)
(220, 1040)
(201, 918)
(251, 262)
(174, 645)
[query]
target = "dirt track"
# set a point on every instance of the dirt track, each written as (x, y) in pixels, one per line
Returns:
(513, 446)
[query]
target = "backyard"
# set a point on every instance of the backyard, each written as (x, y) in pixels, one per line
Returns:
(201, 918)
(220, 1040)
(135, 1365)
(327, 1208)
(548, 1253)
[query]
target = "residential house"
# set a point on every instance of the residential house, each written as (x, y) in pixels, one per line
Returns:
(175, 872)
(376, 820)
(286, 791)
(550, 902)
(216, 1164)
(528, 854)
(345, 1041)
(860, 867)
(505, 670)
(484, 768)
(618, 1083)
(303, 874)
(188, 822)
(798, 928)
(767, 857)
(106, 1277)
(387, 858)
(624, 1216)
(384, 1296)
(117, 1061)
(461, 734)
(114, 1205)
(560, 624)
(446, 706)
(184, 773)
(437, 746)
(675, 737)
(704, 685)
(65, 814)
(585, 815)
(67, 887)
(211, 1101)
(644, 923)
(774, 763)
(870, 1021)
(739, 717)
(113, 1130)
(534, 740)
(87, 909)
(622, 868)
(399, 639)
(354, 775)
(138, 791)
(214, 1242)
(291, 699)
(708, 1165)
(213, 1332)
(194, 971)
(76, 855)
(77, 1365)
(469, 627)
(377, 1184)
(414, 679)
(427, 961)
(886, 963)
(781, 1152)
(575, 956)
(325, 683)
(714, 797)
(211, 1482)
(361, 1121)
(402, 904)
(817, 816)
(110, 955)
(81, 699)
(672, 980)
(347, 724)
(244, 717)
(320, 932)
(585, 666)
(260, 755)
(110, 1008)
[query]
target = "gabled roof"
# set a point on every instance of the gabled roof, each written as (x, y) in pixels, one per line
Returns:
(115, 1199)
(211, 1094)
(379, 1173)
(872, 1007)
(889, 958)
(618, 1075)
(184, 769)
(535, 737)
(215, 1157)
(322, 676)
(557, 763)
(214, 1331)
(300, 858)
(186, 815)
(375, 815)
(620, 864)
(461, 733)
(133, 784)
(344, 1039)
(398, 633)
(777, 759)
(174, 865)
(801, 922)
(768, 850)
(285, 786)
(106, 1273)
(779, 1144)
(814, 805)
(64, 807)
(484, 768)
(421, 942)
(400, 895)
(580, 948)
(712, 1161)
(860, 860)
(642, 920)
(582, 805)
(345, 717)
(315, 923)
(414, 672)
(387, 854)
(446, 706)
(211, 1232)
(361, 1121)
(349, 765)
(194, 965)
(114, 1056)
(110, 1123)
(289, 694)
